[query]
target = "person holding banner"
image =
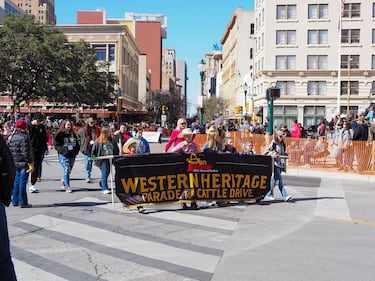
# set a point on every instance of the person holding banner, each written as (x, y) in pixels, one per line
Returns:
(130, 147)
(143, 146)
(174, 139)
(277, 150)
(186, 146)
(213, 142)
(105, 145)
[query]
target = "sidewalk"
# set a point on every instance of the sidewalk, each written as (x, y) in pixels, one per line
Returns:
(328, 173)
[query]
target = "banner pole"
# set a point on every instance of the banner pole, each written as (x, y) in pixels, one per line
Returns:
(111, 179)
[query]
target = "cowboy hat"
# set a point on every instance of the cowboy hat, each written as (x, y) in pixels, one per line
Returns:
(185, 132)
(211, 130)
(128, 143)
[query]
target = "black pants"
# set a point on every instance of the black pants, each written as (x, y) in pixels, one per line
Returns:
(38, 160)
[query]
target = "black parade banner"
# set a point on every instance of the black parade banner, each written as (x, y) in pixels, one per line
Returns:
(173, 177)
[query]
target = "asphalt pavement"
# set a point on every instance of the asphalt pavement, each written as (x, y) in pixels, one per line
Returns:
(326, 233)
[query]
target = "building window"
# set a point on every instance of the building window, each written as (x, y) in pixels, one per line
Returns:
(286, 12)
(373, 36)
(317, 62)
(318, 36)
(285, 37)
(316, 87)
(252, 29)
(312, 115)
(285, 62)
(354, 88)
(100, 51)
(350, 36)
(373, 62)
(284, 115)
(353, 59)
(373, 10)
(352, 10)
(112, 52)
(286, 87)
(318, 11)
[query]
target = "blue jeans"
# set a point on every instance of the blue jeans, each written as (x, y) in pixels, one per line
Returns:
(105, 169)
(277, 179)
(19, 195)
(67, 165)
(87, 164)
(6, 264)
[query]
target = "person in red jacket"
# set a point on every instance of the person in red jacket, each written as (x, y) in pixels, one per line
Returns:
(296, 131)
(174, 139)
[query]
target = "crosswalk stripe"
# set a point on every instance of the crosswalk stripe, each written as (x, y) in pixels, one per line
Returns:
(149, 249)
(187, 218)
(30, 272)
(332, 203)
(197, 220)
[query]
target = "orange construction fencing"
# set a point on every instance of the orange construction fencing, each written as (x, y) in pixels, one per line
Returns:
(357, 156)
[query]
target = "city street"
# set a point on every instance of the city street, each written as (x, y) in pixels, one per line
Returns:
(326, 233)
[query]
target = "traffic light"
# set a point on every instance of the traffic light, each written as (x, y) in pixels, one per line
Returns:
(163, 109)
(273, 93)
(247, 107)
(238, 109)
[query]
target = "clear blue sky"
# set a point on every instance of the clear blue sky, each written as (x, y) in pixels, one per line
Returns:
(192, 26)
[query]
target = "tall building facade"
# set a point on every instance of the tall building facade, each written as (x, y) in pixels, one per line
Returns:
(114, 43)
(43, 10)
(320, 54)
(181, 83)
(8, 7)
(149, 31)
(237, 59)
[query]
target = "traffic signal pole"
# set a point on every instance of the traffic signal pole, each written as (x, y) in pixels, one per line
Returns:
(270, 116)
(271, 93)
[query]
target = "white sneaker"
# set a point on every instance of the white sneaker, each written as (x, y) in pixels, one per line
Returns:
(288, 198)
(68, 190)
(32, 189)
(107, 191)
(88, 180)
(62, 184)
(269, 197)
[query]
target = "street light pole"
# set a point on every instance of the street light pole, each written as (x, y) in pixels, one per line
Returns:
(201, 68)
(118, 106)
(348, 89)
(245, 87)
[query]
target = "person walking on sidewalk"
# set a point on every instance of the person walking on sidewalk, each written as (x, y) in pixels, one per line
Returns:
(105, 145)
(277, 150)
(86, 138)
(67, 146)
(7, 175)
(20, 147)
(38, 137)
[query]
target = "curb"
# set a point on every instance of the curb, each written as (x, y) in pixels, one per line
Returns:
(335, 175)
